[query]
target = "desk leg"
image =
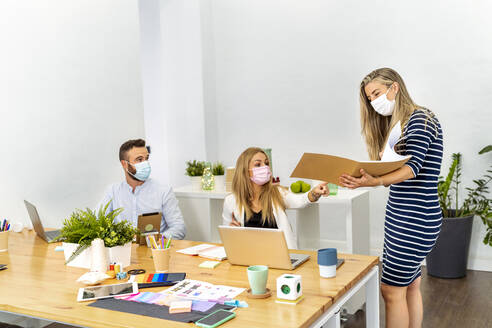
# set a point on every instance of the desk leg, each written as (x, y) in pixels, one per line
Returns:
(372, 300)
(334, 321)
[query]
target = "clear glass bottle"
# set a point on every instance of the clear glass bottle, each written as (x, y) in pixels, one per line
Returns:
(208, 181)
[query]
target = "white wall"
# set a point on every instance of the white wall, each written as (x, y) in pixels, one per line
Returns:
(286, 76)
(173, 85)
(70, 94)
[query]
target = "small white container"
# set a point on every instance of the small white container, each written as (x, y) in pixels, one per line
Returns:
(327, 262)
(328, 271)
(220, 183)
(118, 254)
(196, 183)
(99, 256)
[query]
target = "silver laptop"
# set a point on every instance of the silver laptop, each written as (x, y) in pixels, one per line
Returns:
(38, 226)
(252, 246)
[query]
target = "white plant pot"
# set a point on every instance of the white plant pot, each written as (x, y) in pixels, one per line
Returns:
(220, 183)
(118, 254)
(196, 183)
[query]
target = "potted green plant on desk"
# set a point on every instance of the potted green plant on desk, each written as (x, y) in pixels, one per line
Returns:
(194, 169)
(449, 257)
(84, 226)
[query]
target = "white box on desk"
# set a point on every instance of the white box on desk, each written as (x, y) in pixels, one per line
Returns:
(118, 254)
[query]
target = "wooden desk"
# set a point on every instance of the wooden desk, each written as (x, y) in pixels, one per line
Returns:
(38, 284)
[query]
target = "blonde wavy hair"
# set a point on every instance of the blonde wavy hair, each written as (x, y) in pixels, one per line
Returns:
(242, 188)
(374, 127)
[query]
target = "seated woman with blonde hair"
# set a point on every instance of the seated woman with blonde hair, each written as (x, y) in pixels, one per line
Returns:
(256, 202)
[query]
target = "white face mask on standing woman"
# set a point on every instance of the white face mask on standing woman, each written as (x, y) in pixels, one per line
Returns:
(383, 105)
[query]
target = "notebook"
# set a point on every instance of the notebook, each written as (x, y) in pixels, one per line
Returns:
(206, 251)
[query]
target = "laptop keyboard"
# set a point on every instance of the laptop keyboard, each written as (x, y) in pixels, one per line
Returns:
(292, 261)
(52, 234)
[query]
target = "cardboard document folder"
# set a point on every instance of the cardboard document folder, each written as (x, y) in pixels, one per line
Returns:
(329, 168)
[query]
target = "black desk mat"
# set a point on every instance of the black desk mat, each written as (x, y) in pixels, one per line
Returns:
(153, 310)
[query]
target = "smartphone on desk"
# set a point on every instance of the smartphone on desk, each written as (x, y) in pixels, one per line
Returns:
(215, 319)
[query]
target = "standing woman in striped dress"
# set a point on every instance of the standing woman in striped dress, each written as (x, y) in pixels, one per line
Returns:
(413, 215)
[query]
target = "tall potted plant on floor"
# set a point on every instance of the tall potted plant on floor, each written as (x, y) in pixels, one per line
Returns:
(449, 257)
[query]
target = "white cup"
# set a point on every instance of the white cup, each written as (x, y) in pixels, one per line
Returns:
(327, 262)
(327, 271)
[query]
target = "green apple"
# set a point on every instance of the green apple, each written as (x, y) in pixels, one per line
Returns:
(305, 187)
(296, 187)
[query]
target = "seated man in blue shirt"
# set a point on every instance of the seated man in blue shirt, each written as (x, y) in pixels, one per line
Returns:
(138, 194)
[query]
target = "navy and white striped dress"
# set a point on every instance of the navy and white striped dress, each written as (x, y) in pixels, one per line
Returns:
(413, 215)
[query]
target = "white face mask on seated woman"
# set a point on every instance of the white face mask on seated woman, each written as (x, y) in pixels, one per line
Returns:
(383, 105)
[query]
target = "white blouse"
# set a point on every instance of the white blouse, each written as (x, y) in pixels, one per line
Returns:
(291, 200)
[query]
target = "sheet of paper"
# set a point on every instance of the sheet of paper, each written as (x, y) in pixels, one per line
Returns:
(200, 290)
(389, 154)
(195, 249)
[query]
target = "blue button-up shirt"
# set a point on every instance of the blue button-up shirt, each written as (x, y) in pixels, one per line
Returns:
(149, 197)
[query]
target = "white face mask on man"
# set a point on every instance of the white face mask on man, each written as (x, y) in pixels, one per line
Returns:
(383, 105)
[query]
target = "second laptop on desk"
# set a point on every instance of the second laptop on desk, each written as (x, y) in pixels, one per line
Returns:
(254, 246)
(37, 225)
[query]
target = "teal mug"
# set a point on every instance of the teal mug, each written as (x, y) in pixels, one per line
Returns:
(258, 276)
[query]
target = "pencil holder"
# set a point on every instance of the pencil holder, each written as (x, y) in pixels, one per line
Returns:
(4, 241)
(161, 259)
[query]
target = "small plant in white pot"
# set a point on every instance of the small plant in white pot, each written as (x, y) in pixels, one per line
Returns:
(218, 172)
(194, 169)
(85, 226)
